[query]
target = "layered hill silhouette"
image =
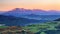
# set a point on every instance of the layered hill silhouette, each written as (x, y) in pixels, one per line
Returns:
(21, 11)
(33, 14)
(11, 20)
(21, 16)
(57, 19)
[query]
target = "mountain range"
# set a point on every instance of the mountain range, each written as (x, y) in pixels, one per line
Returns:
(21, 16)
(11, 20)
(22, 11)
(36, 14)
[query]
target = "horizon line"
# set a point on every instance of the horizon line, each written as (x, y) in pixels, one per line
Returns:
(31, 9)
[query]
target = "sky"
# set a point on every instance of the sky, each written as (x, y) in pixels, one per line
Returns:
(30, 4)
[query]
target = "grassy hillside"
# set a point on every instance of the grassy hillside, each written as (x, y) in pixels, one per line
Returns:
(41, 28)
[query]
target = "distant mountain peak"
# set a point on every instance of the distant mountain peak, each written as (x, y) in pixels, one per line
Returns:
(16, 9)
(19, 9)
(22, 11)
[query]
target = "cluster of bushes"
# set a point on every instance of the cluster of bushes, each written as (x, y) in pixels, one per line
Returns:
(44, 27)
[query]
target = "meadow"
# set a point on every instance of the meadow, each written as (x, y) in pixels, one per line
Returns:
(41, 28)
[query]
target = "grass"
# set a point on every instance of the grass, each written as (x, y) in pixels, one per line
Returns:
(3, 27)
(42, 26)
(39, 27)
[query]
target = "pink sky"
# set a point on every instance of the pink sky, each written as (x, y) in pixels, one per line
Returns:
(30, 4)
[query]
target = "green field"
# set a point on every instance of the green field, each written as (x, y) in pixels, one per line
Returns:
(43, 27)
(40, 28)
